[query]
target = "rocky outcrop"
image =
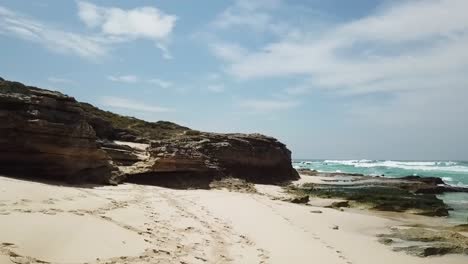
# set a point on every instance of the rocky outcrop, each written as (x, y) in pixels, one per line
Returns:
(254, 157)
(45, 134)
(430, 185)
(424, 242)
(380, 193)
(48, 134)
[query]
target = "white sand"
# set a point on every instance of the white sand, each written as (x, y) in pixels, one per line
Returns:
(146, 224)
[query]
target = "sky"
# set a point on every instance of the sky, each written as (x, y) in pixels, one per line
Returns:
(362, 79)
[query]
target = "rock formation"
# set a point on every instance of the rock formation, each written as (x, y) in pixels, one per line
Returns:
(45, 134)
(412, 194)
(48, 134)
(253, 157)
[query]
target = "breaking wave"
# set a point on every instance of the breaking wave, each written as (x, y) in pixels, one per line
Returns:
(444, 166)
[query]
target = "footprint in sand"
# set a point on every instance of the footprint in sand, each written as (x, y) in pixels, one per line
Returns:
(48, 212)
(48, 201)
(77, 213)
(7, 244)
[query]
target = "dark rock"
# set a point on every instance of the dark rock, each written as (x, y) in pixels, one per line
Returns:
(429, 242)
(429, 250)
(45, 134)
(307, 172)
(383, 198)
(440, 211)
(385, 241)
(339, 204)
(440, 189)
(116, 127)
(427, 180)
(300, 200)
(461, 228)
(316, 211)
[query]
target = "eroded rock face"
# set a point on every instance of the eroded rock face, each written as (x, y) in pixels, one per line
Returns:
(253, 157)
(48, 134)
(45, 134)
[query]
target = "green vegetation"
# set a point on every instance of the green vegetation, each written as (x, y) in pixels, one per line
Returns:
(151, 130)
(106, 124)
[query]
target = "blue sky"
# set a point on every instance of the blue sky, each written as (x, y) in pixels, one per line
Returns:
(332, 79)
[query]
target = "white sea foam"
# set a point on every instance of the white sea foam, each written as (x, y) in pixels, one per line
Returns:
(407, 165)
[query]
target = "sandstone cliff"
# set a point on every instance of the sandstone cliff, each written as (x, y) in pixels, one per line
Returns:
(45, 134)
(48, 134)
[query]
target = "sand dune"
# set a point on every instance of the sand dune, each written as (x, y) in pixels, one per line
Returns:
(147, 224)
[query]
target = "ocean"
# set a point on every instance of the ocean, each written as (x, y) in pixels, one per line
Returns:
(452, 172)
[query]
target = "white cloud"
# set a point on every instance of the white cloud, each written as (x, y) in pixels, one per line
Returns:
(228, 51)
(412, 21)
(116, 26)
(249, 14)
(89, 14)
(142, 22)
(127, 104)
(161, 83)
(265, 105)
(60, 80)
(130, 78)
(403, 43)
(124, 78)
(57, 40)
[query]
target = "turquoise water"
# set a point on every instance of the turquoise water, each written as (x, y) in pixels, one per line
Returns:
(452, 172)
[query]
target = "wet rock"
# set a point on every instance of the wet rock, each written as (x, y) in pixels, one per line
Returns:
(427, 180)
(382, 198)
(460, 228)
(339, 204)
(307, 172)
(300, 200)
(424, 242)
(431, 250)
(385, 241)
(440, 211)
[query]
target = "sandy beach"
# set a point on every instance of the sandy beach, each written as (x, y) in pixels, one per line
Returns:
(128, 223)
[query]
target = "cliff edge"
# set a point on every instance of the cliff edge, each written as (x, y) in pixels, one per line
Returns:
(46, 134)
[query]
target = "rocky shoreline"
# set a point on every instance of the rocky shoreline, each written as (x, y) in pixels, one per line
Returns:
(47, 134)
(411, 194)
(405, 194)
